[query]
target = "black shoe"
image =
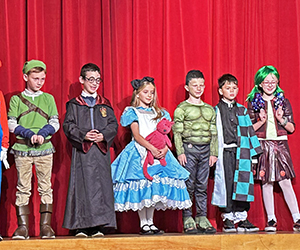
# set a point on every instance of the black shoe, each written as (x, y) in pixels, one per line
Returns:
(246, 226)
(146, 232)
(228, 226)
(1, 238)
(208, 230)
(95, 232)
(271, 226)
(155, 230)
(81, 233)
(296, 226)
(190, 230)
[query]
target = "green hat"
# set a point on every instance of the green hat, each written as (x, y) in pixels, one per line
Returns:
(33, 64)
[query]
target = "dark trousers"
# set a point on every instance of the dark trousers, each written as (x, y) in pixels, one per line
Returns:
(198, 166)
(229, 161)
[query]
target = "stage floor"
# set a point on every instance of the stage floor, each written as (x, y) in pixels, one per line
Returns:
(257, 241)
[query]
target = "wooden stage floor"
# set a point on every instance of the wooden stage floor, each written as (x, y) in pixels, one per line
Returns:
(257, 241)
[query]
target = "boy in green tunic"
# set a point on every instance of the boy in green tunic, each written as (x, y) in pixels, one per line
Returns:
(196, 142)
(33, 118)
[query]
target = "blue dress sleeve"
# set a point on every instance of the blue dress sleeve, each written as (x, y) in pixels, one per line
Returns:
(167, 115)
(129, 116)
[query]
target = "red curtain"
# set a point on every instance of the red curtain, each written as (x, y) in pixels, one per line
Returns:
(133, 38)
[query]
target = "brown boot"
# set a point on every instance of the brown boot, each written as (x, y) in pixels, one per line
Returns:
(46, 232)
(21, 232)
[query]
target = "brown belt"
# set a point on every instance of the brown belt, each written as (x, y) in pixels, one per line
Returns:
(28, 142)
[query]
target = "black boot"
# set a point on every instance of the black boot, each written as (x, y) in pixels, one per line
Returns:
(21, 232)
(46, 232)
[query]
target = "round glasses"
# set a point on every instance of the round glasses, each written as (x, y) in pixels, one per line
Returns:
(270, 83)
(92, 80)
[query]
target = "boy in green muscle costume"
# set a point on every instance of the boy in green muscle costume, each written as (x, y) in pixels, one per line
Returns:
(33, 118)
(196, 142)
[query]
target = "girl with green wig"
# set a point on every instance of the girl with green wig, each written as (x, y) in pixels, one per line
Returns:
(272, 118)
(259, 77)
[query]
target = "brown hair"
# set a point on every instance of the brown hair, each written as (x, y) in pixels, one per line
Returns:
(36, 70)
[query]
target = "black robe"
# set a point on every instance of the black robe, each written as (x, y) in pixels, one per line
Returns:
(90, 200)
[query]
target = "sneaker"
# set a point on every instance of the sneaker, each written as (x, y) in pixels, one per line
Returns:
(1, 238)
(228, 226)
(81, 233)
(246, 226)
(96, 234)
(296, 226)
(271, 226)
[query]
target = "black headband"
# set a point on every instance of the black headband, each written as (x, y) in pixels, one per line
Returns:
(136, 83)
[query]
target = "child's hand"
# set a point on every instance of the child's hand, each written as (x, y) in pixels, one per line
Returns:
(156, 153)
(212, 160)
(37, 139)
(279, 114)
(262, 115)
(40, 139)
(162, 152)
(262, 173)
(182, 159)
(99, 137)
(33, 139)
(91, 135)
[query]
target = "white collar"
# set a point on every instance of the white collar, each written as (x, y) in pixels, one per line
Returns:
(32, 94)
(84, 94)
(230, 104)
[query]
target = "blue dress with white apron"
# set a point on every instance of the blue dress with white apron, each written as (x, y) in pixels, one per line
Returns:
(132, 191)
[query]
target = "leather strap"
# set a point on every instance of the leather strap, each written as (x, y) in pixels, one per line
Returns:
(31, 108)
(28, 142)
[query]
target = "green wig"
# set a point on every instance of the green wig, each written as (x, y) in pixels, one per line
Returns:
(260, 76)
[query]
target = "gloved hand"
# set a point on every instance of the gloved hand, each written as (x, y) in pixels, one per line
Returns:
(3, 157)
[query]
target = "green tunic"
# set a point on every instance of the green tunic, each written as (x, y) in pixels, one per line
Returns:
(195, 124)
(33, 121)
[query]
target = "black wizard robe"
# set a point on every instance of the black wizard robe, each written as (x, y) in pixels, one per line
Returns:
(90, 200)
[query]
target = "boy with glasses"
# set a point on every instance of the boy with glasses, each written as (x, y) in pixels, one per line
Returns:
(90, 125)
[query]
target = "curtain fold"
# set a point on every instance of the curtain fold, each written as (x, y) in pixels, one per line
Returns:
(134, 38)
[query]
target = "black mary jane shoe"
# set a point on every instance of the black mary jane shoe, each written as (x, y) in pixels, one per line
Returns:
(156, 231)
(146, 232)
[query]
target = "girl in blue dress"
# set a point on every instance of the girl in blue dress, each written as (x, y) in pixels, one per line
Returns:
(132, 190)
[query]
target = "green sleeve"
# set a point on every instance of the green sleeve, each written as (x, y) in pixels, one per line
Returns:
(214, 137)
(178, 128)
(52, 107)
(13, 107)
